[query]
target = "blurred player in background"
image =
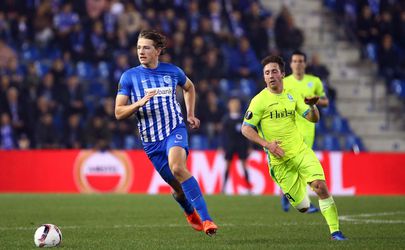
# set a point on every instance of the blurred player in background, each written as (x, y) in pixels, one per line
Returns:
(270, 122)
(234, 143)
(151, 89)
(308, 86)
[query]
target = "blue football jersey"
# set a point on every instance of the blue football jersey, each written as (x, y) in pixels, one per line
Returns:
(162, 113)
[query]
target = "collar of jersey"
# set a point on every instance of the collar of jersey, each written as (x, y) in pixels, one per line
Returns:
(149, 69)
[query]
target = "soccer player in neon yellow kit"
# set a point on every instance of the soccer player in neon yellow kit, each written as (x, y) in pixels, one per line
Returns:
(307, 85)
(270, 122)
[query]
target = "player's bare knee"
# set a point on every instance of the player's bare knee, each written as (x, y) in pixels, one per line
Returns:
(315, 185)
(177, 170)
(320, 188)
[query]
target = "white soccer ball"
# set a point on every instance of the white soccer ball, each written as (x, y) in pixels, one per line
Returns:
(47, 235)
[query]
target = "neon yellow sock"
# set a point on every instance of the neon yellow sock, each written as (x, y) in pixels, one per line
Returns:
(329, 211)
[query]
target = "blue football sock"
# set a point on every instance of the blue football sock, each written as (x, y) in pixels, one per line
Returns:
(193, 193)
(184, 204)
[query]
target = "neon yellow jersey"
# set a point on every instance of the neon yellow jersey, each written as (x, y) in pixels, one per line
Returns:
(309, 86)
(273, 115)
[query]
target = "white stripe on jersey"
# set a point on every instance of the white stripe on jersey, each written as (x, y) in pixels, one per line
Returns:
(160, 97)
(164, 106)
(166, 115)
(173, 112)
(158, 118)
(178, 108)
(151, 121)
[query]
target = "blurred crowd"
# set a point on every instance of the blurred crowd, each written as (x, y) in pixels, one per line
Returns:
(60, 62)
(379, 27)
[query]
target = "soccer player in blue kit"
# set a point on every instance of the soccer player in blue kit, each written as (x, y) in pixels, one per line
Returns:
(151, 89)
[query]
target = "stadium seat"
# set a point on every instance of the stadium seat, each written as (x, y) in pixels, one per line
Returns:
(248, 87)
(103, 69)
(226, 85)
(41, 68)
(132, 142)
(29, 53)
(320, 127)
(371, 50)
(340, 125)
(330, 110)
(84, 70)
(198, 142)
(352, 142)
(398, 87)
(330, 142)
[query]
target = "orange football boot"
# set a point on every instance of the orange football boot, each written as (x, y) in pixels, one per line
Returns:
(194, 221)
(210, 228)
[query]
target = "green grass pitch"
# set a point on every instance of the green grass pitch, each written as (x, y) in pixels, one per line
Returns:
(156, 222)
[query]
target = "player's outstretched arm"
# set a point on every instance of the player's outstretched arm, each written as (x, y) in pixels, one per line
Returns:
(124, 110)
(189, 100)
(273, 146)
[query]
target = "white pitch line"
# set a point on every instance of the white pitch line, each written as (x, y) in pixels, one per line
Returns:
(154, 226)
(361, 218)
(353, 218)
(96, 227)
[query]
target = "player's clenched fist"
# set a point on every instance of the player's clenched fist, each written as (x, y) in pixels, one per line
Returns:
(311, 100)
(193, 122)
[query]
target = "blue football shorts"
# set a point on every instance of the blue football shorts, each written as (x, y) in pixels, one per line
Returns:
(158, 152)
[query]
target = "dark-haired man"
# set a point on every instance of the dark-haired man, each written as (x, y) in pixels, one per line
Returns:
(151, 88)
(307, 85)
(270, 122)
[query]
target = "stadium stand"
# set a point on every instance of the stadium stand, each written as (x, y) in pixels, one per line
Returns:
(373, 114)
(376, 29)
(219, 45)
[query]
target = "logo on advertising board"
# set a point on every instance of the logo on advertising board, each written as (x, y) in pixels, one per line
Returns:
(103, 172)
